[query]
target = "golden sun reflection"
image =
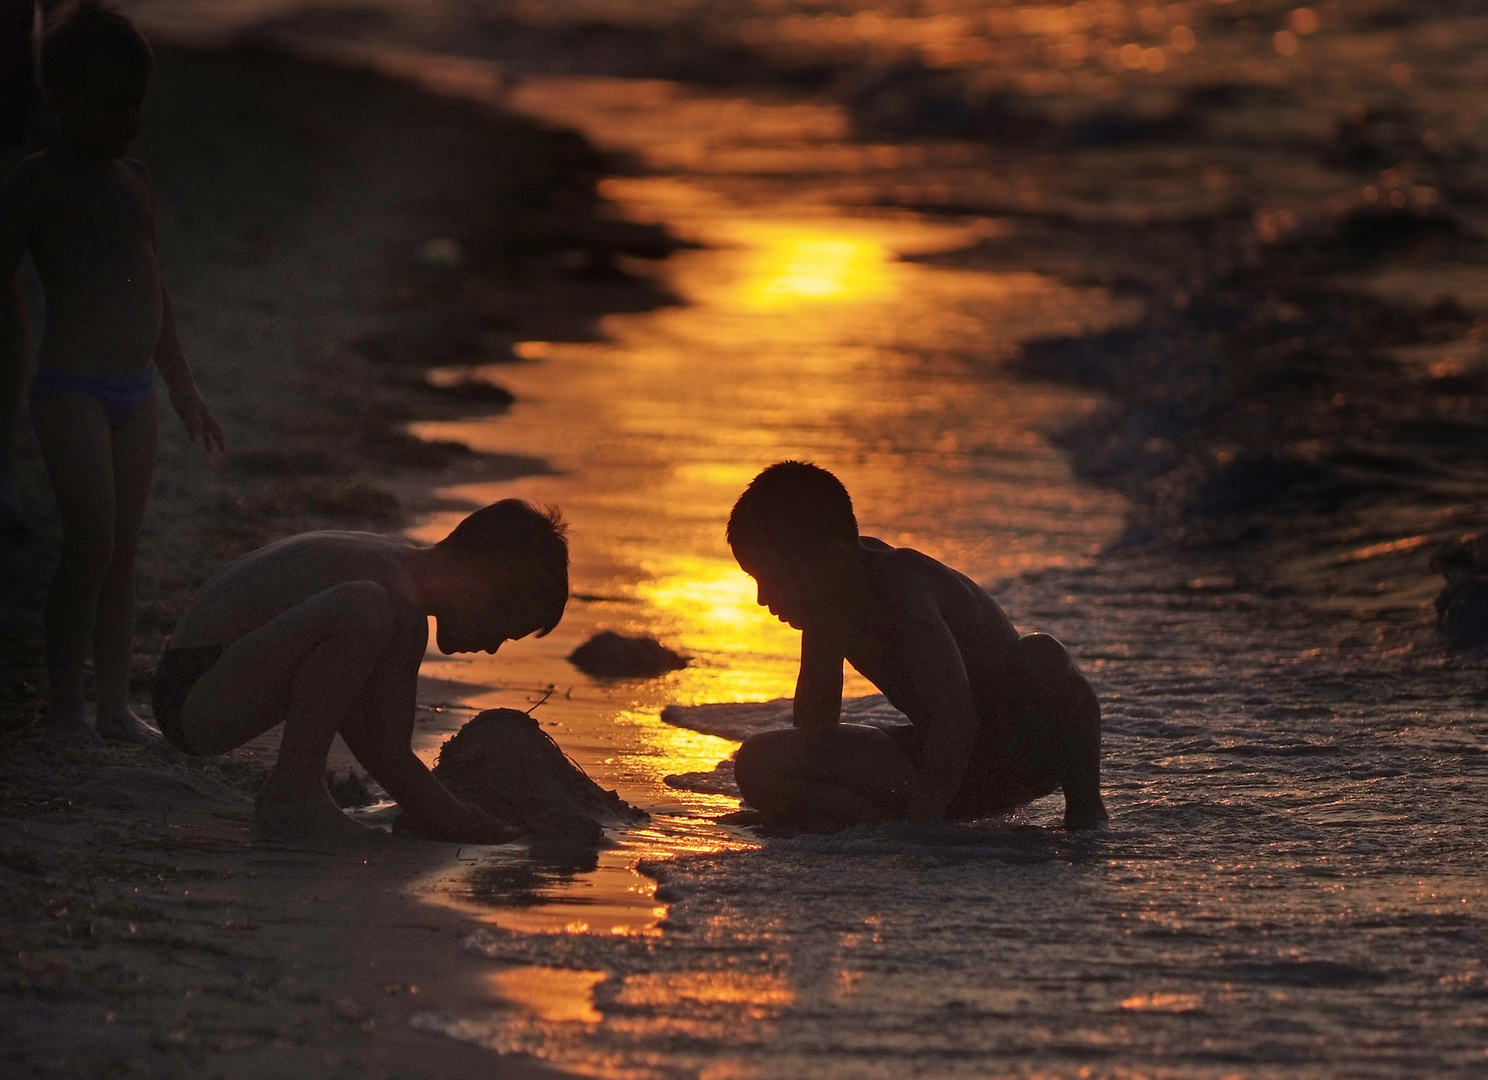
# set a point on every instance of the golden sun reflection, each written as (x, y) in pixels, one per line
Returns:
(712, 603)
(556, 995)
(793, 266)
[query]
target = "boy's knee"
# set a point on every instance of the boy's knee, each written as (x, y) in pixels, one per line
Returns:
(747, 761)
(754, 765)
(1042, 654)
(1052, 674)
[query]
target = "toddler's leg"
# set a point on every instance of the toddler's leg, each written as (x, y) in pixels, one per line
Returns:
(113, 633)
(1065, 706)
(78, 449)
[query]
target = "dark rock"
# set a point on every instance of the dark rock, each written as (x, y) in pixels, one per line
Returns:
(1462, 607)
(1252, 483)
(472, 388)
(611, 655)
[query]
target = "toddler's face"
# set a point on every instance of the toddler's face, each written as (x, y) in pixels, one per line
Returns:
(103, 113)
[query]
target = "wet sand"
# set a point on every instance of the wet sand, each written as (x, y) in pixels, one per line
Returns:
(144, 927)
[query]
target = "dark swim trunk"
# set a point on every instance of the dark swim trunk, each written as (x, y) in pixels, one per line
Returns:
(177, 672)
(120, 396)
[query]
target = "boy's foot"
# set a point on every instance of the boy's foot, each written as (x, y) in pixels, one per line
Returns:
(1085, 814)
(319, 822)
(120, 724)
(69, 727)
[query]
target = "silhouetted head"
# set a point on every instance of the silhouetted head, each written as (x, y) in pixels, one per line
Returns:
(791, 531)
(503, 575)
(95, 69)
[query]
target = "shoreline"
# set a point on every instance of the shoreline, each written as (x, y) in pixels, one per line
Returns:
(143, 924)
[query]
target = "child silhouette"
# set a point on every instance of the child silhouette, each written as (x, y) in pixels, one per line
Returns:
(87, 215)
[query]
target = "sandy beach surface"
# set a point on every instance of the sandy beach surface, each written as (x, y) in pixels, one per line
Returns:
(144, 932)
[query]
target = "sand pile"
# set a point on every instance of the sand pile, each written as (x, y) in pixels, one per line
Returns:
(503, 762)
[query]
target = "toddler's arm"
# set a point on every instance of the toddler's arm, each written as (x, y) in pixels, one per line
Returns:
(170, 358)
(185, 398)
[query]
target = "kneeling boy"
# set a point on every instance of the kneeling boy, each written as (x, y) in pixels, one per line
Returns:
(995, 720)
(325, 632)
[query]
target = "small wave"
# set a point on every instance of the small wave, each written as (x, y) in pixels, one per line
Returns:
(738, 720)
(933, 839)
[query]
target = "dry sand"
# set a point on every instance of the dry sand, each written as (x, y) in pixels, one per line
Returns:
(144, 930)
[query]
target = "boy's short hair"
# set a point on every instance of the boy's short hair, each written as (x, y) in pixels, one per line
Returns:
(510, 528)
(85, 34)
(792, 501)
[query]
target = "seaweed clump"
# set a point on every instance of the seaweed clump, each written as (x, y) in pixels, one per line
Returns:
(611, 655)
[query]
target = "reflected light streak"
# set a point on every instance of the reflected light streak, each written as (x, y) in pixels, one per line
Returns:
(743, 653)
(764, 993)
(791, 267)
(556, 995)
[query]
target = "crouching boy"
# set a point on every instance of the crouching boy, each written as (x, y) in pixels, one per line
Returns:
(325, 632)
(995, 720)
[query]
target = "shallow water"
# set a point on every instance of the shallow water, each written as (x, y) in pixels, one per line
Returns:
(1292, 882)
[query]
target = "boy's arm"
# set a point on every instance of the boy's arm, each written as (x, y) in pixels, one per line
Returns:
(818, 701)
(939, 702)
(380, 734)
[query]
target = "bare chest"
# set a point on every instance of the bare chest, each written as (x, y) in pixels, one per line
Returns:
(96, 223)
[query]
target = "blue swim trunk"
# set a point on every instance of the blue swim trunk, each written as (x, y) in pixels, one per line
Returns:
(120, 395)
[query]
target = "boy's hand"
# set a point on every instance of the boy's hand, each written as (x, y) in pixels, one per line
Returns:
(485, 829)
(198, 419)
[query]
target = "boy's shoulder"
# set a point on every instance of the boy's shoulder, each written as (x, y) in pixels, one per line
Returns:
(903, 562)
(914, 577)
(326, 558)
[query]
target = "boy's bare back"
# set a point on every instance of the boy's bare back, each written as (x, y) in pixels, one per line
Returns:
(248, 593)
(910, 605)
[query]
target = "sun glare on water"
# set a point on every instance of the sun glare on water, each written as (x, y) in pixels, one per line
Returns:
(791, 266)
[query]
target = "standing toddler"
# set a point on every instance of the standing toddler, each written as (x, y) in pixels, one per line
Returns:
(87, 214)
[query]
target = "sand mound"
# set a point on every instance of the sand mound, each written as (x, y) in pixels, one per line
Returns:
(503, 762)
(156, 791)
(613, 655)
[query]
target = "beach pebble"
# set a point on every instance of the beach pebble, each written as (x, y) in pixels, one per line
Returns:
(442, 253)
(613, 655)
